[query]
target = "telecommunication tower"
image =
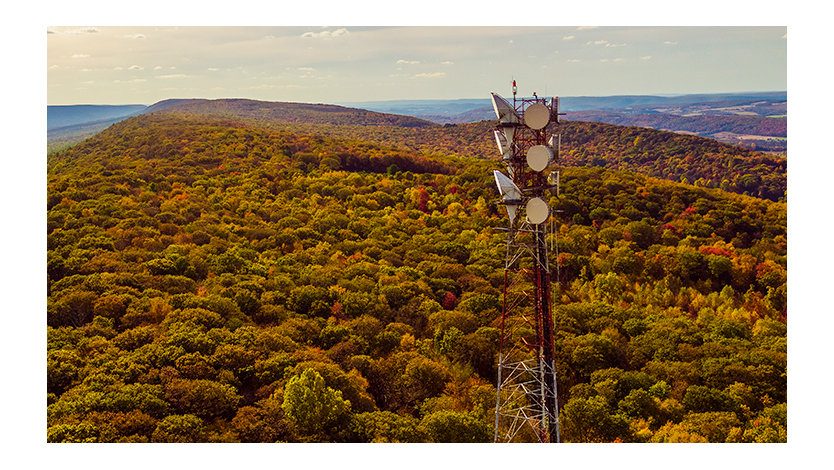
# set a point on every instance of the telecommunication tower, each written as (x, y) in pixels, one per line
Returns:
(526, 408)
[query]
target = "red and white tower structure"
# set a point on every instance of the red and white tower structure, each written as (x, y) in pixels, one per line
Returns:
(527, 408)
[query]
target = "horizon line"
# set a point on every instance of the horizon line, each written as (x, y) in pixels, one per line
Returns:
(663, 95)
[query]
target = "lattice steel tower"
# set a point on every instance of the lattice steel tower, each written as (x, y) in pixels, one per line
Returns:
(526, 408)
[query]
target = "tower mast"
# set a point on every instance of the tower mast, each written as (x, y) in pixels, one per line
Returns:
(527, 403)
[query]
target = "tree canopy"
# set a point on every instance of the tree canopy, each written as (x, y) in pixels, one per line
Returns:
(220, 280)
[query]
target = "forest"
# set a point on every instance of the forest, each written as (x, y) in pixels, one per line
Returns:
(223, 279)
(685, 158)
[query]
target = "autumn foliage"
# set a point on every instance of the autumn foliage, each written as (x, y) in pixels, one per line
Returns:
(212, 279)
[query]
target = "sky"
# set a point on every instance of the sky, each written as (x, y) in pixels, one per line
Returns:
(89, 64)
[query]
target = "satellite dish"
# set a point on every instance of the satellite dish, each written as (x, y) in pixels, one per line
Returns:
(503, 145)
(537, 211)
(536, 116)
(504, 110)
(509, 191)
(538, 157)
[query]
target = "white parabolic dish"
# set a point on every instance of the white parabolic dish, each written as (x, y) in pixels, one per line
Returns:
(536, 116)
(537, 210)
(538, 157)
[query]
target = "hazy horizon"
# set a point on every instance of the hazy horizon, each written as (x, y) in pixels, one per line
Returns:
(664, 95)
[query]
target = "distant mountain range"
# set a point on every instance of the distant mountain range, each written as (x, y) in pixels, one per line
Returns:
(470, 110)
(753, 120)
(71, 115)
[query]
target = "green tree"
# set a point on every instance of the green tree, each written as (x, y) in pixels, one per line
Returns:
(453, 426)
(179, 428)
(82, 432)
(385, 426)
(311, 405)
(608, 287)
(592, 420)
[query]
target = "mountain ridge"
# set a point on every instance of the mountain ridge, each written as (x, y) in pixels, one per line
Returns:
(286, 111)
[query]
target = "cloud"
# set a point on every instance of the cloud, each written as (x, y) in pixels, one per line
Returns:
(409, 62)
(136, 67)
(158, 67)
(611, 44)
(600, 42)
(326, 34)
(212, 69)
(582, 28)
(447, 62)
(80, 56)
(619, 59)
(135, 36)
(568, 37)
(135, 80)
(431, 75)
(646, 57)
(573, 61)
(85, 30)
(173, 75)
(670, 43)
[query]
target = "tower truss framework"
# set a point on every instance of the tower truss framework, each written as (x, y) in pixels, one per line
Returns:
(527, 399)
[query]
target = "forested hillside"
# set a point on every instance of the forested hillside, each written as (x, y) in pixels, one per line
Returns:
(215, 279)
(286, 112)
(696, 160)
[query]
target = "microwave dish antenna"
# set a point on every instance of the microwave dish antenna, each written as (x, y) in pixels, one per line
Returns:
(538, 157)
(536, 116)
